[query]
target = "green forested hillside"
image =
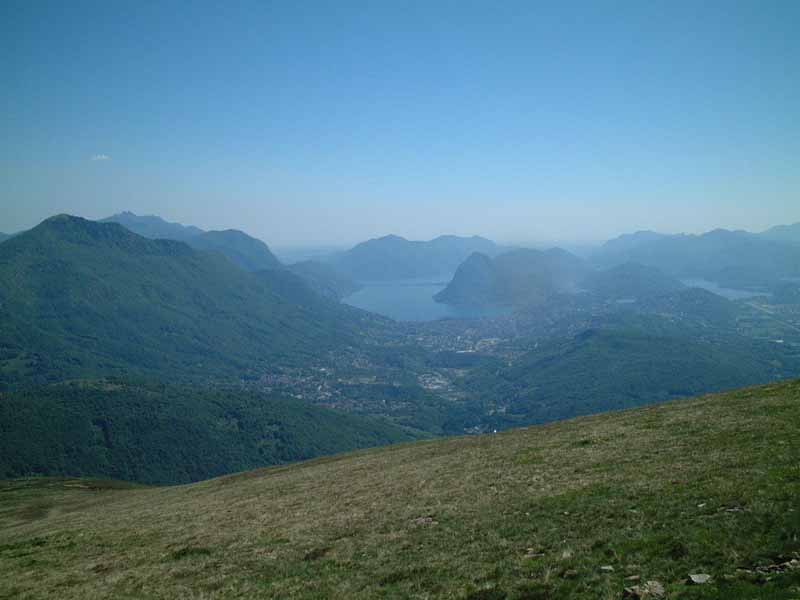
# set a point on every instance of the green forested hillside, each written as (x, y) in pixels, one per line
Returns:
(80, 298)
(620, 505)
(636, 362)
(155, 433)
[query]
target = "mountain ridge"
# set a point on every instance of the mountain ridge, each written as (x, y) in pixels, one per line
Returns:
(247, 252)
(783, 233)
(392, 257)
(153, 226)
(730, 258)
(81, 297)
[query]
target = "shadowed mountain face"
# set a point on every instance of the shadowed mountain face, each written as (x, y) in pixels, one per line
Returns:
(730, 258)
(4, 237)
(79, 297)
(393, 258)
(243, 250)
(476, 282)
(515, 278)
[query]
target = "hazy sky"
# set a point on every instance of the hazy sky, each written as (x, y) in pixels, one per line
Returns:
(331, 122)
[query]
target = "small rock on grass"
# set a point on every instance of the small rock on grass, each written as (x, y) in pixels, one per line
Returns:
(533, 553)
(570, 574)
(649, 590)
(699, 578)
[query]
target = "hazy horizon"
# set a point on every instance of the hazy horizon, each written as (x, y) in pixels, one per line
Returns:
(333, 246)
(332, 124)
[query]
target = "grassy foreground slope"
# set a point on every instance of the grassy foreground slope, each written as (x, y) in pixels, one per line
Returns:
(568, 510)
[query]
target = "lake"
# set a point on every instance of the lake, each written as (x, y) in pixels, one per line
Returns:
(412, 300)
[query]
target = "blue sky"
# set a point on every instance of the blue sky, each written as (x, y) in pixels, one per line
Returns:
(331, 122)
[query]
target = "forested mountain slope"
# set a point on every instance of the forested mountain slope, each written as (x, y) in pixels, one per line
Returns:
(80, 298)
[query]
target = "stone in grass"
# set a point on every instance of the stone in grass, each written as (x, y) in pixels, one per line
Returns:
(649, 590)
(699, 578)
(607, 568)
(570, 574)
(533, 553)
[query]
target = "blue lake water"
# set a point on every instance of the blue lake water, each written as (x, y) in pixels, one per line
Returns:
(412, 300)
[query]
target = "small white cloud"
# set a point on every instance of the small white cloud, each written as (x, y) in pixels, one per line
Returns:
(100, 157)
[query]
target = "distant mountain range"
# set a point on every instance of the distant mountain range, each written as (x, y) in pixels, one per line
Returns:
(629, 241)
(730, 258)
(84, 298)
(783, 233)
(4, 236)
(393, 258)
(248, 252)
(153, 227)
(526, 277)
